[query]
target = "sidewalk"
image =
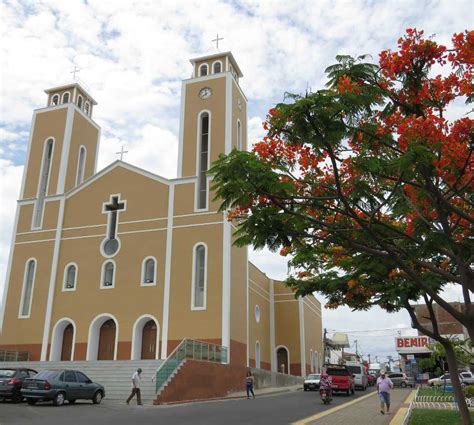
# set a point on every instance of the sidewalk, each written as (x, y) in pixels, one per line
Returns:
(266, 391)
(362, 411)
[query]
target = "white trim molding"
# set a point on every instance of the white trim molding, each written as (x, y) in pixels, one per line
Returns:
(200, 74)
(23, 289)
(57, 338)
(142, 279)
(226, 282)
(64, 286)
(94, 335)
(181, 130)
(80, 173)
(137, 335)
(302, 336)
(64, 164)
(193, 279)
(167, 284)
(64, 95)
(213, 65)
(273, 363)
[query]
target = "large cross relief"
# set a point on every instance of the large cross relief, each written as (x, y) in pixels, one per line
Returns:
(111, 244)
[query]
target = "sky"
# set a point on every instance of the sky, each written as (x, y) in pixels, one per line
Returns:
(133, 55)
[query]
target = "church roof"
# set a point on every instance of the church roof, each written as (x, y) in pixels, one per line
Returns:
(218, 55)
(71, 86)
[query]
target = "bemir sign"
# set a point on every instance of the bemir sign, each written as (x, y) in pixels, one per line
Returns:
(419, 341)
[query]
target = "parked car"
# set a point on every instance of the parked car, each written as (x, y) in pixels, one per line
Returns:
(467, 378)
(312, 382)
(440, 380)
(401, 380)
(371, 379)
(341, 378)
(360, 377)
(11, 381)
(61, 385)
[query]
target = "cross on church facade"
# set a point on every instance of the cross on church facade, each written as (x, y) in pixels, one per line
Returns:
(121, 153)
(110, 245)
(74, 72)
(217, 39)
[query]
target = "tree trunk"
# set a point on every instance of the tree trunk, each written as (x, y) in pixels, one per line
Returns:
(456, 383)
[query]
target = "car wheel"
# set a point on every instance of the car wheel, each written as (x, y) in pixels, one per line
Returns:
(31, 401)
(403, 384)
(17, 398)
(59, 399)
(97, 397)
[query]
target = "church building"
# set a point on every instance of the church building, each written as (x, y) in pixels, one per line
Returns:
(123, 264)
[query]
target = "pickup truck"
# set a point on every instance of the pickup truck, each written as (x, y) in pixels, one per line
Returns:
(466, 378)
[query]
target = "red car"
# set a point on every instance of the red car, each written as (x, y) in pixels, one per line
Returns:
(341, 378)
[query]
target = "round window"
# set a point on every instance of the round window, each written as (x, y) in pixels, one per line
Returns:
(257, 313)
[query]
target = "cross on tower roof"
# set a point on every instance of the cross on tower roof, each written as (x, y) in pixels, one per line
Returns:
(74, 72)
(121, 153)
(217, 39)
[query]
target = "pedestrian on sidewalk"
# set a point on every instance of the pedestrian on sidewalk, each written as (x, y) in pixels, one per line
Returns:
(384, 385)
(249, 381)
(136, 387)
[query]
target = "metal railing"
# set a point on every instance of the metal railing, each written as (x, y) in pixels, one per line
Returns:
(189, 349)
(14, 356)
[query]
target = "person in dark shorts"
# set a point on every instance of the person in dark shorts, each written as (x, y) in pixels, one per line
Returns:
(249, 381)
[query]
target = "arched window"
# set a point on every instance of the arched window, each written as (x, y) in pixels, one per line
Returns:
(27, 291)
(43, 182)
(81, 164)
(66, 97)
(86, 108)
(70, 274)
(148, 271)
(203, 70)
(199, 278)
(108, 275)
(203, 159)
(257, 313)
(257, 355)
(79, 101)
(239, 135)
(217, 67)
(55, 100)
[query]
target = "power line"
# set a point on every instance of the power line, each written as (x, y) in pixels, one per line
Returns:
(371, 330)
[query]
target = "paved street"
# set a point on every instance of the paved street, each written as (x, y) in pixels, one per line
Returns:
(273, 409)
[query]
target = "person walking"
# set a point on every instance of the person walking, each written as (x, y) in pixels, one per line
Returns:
(249, 381)
(136, 387)
(384, 385)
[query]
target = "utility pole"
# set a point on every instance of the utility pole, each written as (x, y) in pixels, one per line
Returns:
(357, 350)
(325, 346)
(369, 359)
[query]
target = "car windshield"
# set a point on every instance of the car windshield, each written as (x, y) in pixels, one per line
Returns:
(338, 372)
(313, 376)
(355, 369)
(47, 374)
(7, 373)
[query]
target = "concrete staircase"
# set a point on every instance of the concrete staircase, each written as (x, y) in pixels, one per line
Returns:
(114, 375)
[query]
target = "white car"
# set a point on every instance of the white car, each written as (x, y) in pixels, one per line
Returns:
(312, 382)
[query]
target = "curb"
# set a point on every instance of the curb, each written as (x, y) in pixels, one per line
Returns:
(237, 397)
(399, 416)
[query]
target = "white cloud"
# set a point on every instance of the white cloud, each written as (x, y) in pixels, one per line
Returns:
(133, 56)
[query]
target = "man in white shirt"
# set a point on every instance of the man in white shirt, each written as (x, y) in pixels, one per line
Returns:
(136, 387)
(384, 385)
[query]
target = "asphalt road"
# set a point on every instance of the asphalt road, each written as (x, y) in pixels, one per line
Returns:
(272, 409)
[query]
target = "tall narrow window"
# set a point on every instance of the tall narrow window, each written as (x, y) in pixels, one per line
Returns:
(217, 67)
(55, 100)
(79, 102)
(257, 355)
(81, 163)
(108, 275)
(149, 272)
(239, 135)
(86, 108)
(70, 277)
(203, 70)
(66, 97)
(27, 293)
(203, 160)
(43, 182)
(200, 276)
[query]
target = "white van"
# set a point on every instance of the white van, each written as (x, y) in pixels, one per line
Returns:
(360, 377)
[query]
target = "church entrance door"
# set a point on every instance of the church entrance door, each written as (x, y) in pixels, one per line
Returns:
(66, 349)
(282, 360)
(107, 341)
(149, 341)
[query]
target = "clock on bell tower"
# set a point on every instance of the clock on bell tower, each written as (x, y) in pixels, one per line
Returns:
(213, 119)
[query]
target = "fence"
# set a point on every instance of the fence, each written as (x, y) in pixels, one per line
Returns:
(14, 356)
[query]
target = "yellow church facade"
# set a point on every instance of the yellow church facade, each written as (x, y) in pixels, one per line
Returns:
(123, 264)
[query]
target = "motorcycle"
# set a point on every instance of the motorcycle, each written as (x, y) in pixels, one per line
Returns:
(326, 395)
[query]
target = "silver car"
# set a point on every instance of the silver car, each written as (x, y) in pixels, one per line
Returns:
(312, 382)
(401, 380)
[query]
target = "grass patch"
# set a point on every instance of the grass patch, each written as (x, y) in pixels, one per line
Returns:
(434, 392)
(438, 417)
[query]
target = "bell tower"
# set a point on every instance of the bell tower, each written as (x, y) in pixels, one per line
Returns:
(213, 119)
(63, 147)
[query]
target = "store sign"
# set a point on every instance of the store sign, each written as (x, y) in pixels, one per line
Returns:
(412, 342)
(410, 357)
